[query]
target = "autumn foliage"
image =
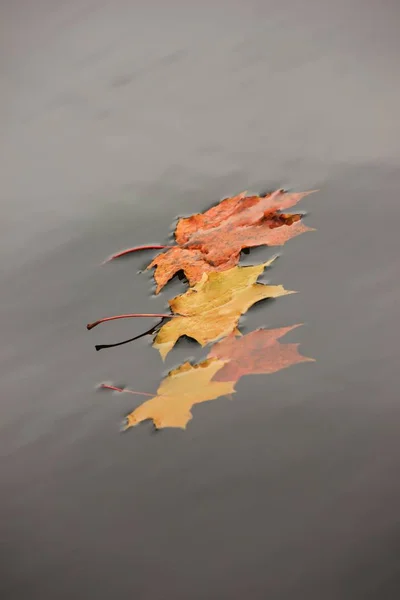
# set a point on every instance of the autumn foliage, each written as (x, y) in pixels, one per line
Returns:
(207, 250)
(211, 309)
(212, 241)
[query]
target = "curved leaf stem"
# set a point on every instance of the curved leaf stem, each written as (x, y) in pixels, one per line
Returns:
(90, 326)
(136, 249)
(106, 386)
(136, 337)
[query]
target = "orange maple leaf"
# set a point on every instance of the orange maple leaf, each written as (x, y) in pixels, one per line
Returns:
(237, 211)
(213, 240)
(257, 352)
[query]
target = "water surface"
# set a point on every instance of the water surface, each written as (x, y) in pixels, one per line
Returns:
(116, 118)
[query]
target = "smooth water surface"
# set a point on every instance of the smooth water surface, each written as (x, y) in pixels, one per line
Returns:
(116, 118)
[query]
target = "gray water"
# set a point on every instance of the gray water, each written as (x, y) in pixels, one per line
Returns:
(116, 118)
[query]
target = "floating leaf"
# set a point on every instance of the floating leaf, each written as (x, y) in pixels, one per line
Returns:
(257, 352)
(212, 308)
(179, 391)
(213, 240)
(238, 211)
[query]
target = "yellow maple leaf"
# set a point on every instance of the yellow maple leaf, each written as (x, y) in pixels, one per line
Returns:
(212, 308)
(179, 391)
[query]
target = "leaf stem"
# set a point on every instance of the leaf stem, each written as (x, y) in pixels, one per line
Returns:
(106, 386)
(136, 337)
(136, 249)
(90, 326)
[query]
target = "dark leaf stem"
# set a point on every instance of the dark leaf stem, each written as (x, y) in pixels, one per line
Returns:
(136, 337)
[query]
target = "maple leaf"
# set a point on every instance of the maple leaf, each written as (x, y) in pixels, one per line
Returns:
(213, 240)
(237, 211)
(257, 352)
(179, 391)
(212, 308)
(274, 231)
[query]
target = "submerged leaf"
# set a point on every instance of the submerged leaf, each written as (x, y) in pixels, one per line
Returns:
(228, 361)
(212, 308)
(179, 391)
(257, 352)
